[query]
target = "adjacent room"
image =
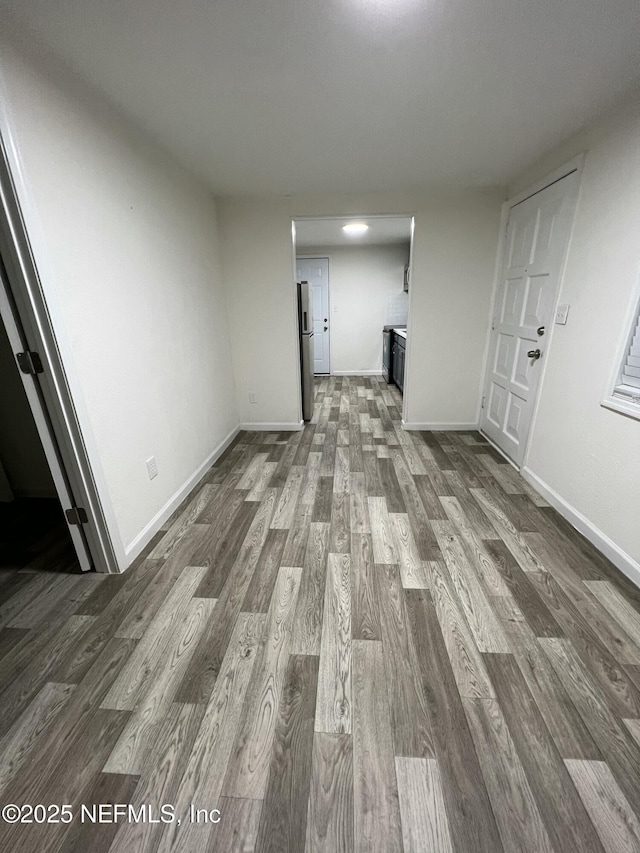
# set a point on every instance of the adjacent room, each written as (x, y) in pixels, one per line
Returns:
(319, 426)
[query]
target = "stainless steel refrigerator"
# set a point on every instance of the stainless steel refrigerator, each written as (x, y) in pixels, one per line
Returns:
(305, 326)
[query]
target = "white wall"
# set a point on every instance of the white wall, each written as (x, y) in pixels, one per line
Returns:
(21, 453)
(126, 247)
(589, 455)
(361, 280)
(453, 266)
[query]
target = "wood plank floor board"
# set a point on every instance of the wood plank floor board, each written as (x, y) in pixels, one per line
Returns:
(471, 819)
(376, 805)
(365, 596)
(134, 678)
(25, 734)
(264, 577)
(340, 542)
(424, 819)
(323, 499)
(306, 633)
(513, 539)
(618, 606)
(248, 768)
(483, 623)
(563, 813)
(330, 815)
(334, 705)
(413, 570)
(488, 574)
(467, 663)
(410, 725)
(221, 557)
(614, 819)
(181, 525)
(612, 677)
(199, 679)
(106, 788)
(298, 537)
(524, 593)
(602, 621)
(202, 779)
(517, 814)
(283, 823)
(142, 727)
(145, 603)
(616, 744)
(384, 550)
(567, 728)
(237, 831)
(159, 782)
(18, 694)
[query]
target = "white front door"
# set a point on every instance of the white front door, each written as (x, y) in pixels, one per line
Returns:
(536, 240)
(316, 272)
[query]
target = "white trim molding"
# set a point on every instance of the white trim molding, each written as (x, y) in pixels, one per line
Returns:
(439, 427)
(149, 530)
(355, 373)
(264, 427)
(623, 561)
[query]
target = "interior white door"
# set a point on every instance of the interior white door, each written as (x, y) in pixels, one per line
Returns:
(316, 272)
(537, 236)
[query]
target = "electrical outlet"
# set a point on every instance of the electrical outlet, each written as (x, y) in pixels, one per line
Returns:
(152, 467)
(561, 314)
(252, 398)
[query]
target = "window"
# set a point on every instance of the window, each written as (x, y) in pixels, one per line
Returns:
(625, 394)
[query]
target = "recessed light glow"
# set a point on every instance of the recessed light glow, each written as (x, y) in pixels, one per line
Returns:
(355, 228)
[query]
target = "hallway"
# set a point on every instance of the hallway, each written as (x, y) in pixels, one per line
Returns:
(349, 638)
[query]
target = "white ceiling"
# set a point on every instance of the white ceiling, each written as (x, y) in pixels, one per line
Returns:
(328, 232)
(290, 96)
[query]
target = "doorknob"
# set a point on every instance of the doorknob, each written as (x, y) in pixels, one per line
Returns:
(540, 331)
(534, 353)
(325, 328)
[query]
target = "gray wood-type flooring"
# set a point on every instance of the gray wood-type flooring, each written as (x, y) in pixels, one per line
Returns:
(349, 638)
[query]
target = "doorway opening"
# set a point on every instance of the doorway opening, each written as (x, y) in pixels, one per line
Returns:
(33, 530)
(358, 271)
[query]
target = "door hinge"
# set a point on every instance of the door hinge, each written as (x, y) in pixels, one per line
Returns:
(76, 516)
(29, 362)
(482, 404)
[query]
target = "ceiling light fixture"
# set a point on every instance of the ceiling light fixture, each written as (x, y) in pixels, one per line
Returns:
(355, 228)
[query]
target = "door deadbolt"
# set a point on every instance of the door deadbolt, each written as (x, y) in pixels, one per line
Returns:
(540, 330)
(534, 354)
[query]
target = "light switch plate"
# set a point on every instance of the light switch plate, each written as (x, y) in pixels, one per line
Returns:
(152, 467)
(562, 312)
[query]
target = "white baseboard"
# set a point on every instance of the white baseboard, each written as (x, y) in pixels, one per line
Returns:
(439, 427)
(149, 530)
(608, 547)
(356, 373)
(258, 427)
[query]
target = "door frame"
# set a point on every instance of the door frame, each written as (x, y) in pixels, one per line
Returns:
(41, 322)
(327, 256)
(342, 216)
(574, 165)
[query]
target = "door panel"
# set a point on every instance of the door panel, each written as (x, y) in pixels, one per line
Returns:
(537, 235)
(316, 272)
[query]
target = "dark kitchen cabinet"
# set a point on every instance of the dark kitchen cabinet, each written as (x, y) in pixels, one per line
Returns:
(399, 350)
